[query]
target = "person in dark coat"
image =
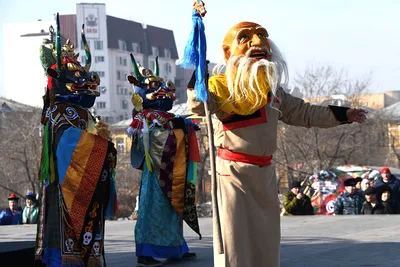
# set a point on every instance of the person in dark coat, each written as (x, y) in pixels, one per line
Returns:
(389, 179)
(351, 201)
(296, 203)
(358, 183)
(384, 196)
(371, 204)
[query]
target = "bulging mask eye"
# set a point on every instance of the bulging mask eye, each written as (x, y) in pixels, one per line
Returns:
(95, 78)
(171, 86)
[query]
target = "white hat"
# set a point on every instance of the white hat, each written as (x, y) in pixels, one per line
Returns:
(364, 182)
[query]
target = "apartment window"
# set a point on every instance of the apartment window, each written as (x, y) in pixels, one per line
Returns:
(121, 61)
(167, 53)
(98, 45)
(83, 60)
(122, 45)
(98, 59)
(124, 104)
(168, 68)
(122, 90)
(135, 48)
(83, 47)
(101, 74)
(119, 90)
(154, 51)
(151, 64)
(101, 105)
(119, 75)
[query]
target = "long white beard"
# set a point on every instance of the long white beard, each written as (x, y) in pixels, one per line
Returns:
(250, 80)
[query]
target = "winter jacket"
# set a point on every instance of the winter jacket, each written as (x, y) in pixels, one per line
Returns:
(390, 207)
(367, 208)
(30, 215)
(295, 206)
(8, 218)
(394, 184)
(349, 204)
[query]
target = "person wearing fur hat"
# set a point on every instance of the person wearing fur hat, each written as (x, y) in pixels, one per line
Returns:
(31, 211)
(350, 201)
(390, 180)
(296, 203)
(358, 184)
(11, 215)
(371, 204)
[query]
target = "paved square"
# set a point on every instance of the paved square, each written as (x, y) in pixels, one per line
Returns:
(309, 241)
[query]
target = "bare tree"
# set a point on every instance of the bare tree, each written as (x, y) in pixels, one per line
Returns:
(128, 182)
(315, 149)
(204, 166)
(20, 152)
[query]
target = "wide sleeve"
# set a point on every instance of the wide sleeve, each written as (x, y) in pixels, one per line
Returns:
(197, 107)
(294, 111)
(290, 204)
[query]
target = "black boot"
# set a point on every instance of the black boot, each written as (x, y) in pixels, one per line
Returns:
(186, 256)
(189, 256)
(148, 262)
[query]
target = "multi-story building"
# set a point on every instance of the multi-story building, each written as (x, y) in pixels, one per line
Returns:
(110, 39)
(373, 101)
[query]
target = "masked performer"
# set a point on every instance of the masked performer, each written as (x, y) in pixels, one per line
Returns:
(248, 101)
(164, 147)
(78, 162)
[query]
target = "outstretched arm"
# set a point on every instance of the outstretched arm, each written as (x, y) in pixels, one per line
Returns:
(299, 113)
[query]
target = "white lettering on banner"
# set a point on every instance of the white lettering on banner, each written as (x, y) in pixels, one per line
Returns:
(91, 21)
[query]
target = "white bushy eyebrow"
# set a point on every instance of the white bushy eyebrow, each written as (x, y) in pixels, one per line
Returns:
(248, 29)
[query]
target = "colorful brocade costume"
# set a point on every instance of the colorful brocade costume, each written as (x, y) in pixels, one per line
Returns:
(164, 147)
(78, 162)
